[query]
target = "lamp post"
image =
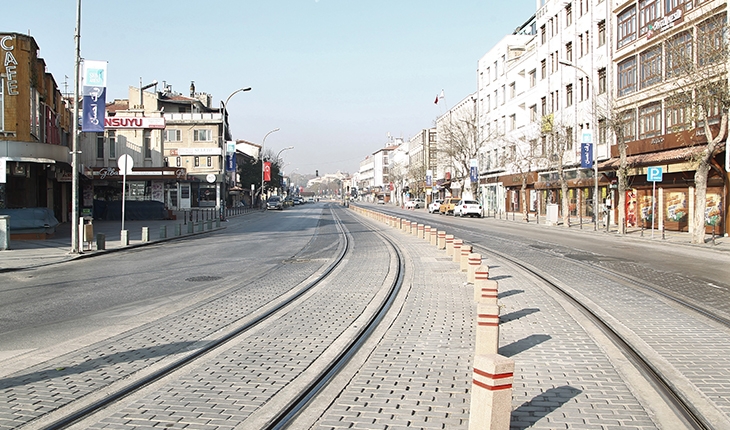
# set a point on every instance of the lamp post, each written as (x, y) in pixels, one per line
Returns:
(263, 143)
(595, 144)
(279, 153)
(221, 208)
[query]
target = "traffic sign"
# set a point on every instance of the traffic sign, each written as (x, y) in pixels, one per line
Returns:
(654, 174)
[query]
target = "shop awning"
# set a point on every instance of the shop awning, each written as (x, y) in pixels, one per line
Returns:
(671, 156)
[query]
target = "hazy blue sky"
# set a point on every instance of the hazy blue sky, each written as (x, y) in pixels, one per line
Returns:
(336, 76)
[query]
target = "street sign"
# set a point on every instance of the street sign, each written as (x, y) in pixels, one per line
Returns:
(654, 174)
(125, 164)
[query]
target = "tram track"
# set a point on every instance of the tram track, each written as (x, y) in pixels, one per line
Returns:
(692, 408)
(277, 417)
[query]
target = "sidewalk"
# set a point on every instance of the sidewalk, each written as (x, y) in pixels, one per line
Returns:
(33, 253)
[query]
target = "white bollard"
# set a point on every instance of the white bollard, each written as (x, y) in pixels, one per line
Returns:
(491, 393)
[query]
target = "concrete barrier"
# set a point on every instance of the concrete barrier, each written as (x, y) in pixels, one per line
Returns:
(456, 253)
(414, 228)
(464, 258)
(491, 392)
(4, 232)
(145, 234)
(475, 260)
(427, 233)
(163, 232)
(421, 231)
(449, 241)
(124, 236)
(441, 240)
(487, 328)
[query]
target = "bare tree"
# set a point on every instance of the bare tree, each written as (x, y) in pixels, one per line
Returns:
(397, 173)
(461, 141)
(523, 156)
(697, 69)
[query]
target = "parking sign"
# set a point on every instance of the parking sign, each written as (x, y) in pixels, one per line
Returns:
(654, 174)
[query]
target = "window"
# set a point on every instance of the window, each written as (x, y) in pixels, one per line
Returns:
(710, 46)
(650, 71)
(569, 95)
(710, 98)
(628, 125)
(671, 5)
(648, 13)
(201, 135)
(677, 114)
(543, 39)
(146, 136)
(533, 113)
(496, 72)
(512, 122)
(209, 161)
(650, 120)
(602, 81)
(569, 52)
(602, 131)
(197, 161)
(543, 69)
(512, 90)
(488, 103)
(678, 54)
(601, 33)
(34, 113)
(504, 93)
(112, 136)
(173, 135)
(627, 76)
(533, 78)
(496, 99)
(580, 88)
(568, 14)
(626, 26)
(581, 51)
(178, 161)
(543, 105)
(99, 145)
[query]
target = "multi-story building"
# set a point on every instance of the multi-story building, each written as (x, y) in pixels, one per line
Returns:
(35, 131)
(657, 45)
(422, 162)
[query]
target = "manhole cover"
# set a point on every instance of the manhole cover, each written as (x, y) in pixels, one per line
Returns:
(203, 278)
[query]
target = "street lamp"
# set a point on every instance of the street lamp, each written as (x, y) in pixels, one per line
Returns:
(263, 143)
(595, 144)
(221, 208)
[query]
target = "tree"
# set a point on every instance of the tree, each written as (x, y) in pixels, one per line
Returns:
(696, 67)
(461, 140)
(523, 155)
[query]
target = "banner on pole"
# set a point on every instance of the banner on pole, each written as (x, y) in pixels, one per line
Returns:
(586, 155)
(267, 171)
(94, 97)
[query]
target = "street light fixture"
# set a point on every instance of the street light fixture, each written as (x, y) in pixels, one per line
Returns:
(279, 153)
(263, 143)
(595, 144)
(221, 193)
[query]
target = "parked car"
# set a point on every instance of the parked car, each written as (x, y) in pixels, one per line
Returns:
(275, 202)
(434, 206)
(447, 207)
(381, 201)
(468, 207)
(414, 204)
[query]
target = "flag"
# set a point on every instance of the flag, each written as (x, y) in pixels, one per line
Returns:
(267, 171)
(437, 100)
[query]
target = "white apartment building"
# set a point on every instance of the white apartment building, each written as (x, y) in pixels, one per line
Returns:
(539, 90)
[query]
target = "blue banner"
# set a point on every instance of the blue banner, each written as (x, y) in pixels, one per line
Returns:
(94, 107)
(586, 155)
(230, 163)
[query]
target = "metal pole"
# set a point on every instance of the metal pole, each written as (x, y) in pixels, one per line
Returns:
(263, 142)
(75, 140)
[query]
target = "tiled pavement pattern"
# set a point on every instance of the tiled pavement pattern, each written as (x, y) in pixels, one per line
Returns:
(419, 376)
(223, 390)
(40, 389)
(691, 345)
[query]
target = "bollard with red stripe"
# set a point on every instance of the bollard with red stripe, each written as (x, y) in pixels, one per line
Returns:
(464, 260)
(449, 240)
(487, 329)
(421, 231)
(491, 392)
(475, 260)
(485, 290)
(441, 240)
(456, 254)
(427, 233)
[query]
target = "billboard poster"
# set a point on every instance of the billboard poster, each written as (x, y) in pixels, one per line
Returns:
(473, 170)
(586, 155)
(93, 77)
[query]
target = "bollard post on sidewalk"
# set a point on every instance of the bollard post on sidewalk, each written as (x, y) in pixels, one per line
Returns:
(491, 392)
(475, 260)
(464, 258)
(485, 289)
(441, 244)
(456, 253)
(163, 232)
(487, 329)
(100, 241)
(145, 234)
(449, 240)
(124, 235)
(427, 233)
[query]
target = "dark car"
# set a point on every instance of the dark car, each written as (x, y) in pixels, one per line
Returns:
(275, 202)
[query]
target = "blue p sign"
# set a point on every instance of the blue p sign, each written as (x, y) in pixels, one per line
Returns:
(654, 174)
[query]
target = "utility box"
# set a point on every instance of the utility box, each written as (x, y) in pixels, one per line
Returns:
(552, 214)
(4, 232)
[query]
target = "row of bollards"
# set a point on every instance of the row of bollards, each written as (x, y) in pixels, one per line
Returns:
(192, 227)
(493, 374)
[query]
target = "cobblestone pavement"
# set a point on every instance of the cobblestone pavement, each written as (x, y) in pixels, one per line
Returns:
(419, 375)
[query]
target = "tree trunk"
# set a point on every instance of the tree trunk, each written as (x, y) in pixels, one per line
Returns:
(525, 206)
(698, 221)
(565, 202)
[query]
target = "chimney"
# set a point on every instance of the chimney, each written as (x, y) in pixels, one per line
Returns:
(192, 88)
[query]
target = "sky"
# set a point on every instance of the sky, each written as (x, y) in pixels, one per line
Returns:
(336, 77)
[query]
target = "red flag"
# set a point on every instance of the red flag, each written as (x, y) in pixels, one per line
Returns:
(437, 100)
(267, 171)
